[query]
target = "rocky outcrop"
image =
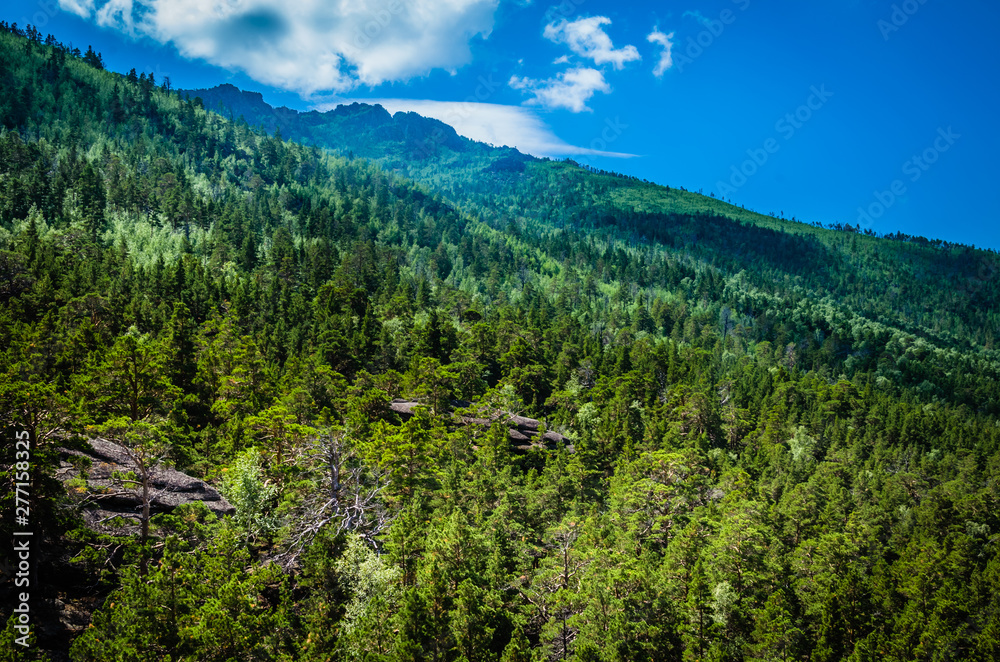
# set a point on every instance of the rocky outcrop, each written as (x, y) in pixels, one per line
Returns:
(360, 129)
(103, 497)
(522, 431)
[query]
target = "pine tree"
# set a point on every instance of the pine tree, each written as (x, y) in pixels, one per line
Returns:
(90, 187)
(775, 637)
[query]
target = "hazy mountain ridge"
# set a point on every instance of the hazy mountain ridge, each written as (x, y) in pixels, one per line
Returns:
(366, 130)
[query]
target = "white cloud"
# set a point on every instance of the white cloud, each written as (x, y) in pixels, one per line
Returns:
(308, 46)
(666, 56)
(698, 16)
(570, 89)
(82, 8)
(587, 38)
(117, 14)
(562, 59)
(491, 123)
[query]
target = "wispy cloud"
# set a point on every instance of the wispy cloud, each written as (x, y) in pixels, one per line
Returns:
(82, 8)
(698, 16)
(308, 46)
(570, 89)
(666, 53)
(587, 38)
(117, 14)
(495, 124)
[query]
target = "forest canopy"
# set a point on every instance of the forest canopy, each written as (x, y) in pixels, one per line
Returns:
(467, 404)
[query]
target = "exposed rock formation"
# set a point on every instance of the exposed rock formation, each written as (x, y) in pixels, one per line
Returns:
(171, 488)
(522, 431)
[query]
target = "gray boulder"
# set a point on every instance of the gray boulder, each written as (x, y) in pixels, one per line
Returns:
(103, 497)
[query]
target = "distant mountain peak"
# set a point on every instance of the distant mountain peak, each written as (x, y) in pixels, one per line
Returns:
(363, 129)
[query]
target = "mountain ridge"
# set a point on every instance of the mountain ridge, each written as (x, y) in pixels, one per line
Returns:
(370, 131)
(366, 127)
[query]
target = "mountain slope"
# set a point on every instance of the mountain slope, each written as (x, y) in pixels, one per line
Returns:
(773, 441)
(943, 293)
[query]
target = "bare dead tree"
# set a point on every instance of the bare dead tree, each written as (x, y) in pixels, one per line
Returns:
(347, 497)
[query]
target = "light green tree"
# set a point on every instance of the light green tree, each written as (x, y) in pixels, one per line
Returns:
(252, 497)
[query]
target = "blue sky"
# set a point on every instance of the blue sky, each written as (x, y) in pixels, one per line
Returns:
(868, 112)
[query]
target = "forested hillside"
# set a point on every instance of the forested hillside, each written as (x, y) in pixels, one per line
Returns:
(778, 442)
(941, 293)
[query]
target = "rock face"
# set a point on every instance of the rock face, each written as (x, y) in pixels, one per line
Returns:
(170, 488)
(522, 431)
(368, 130)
